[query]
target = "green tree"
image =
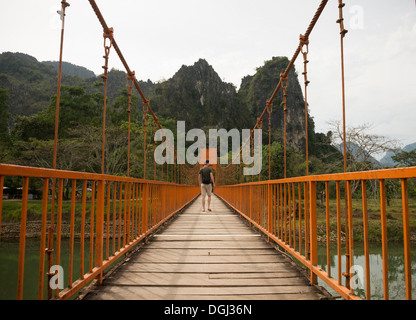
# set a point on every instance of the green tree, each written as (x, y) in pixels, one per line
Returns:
(76, 108)
(5, 142)
(294, 162)
(407, 159)
(404, 158)
(4, 114)
(117, 113)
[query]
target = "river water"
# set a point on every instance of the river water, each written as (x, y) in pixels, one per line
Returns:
(9, 251)
(9, 258)
(396, 272)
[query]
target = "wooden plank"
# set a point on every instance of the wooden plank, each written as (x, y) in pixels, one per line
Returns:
(198, 280)
(217, 293)
(207, 268)
(198, 237)
(150, 295)
(211, 255)
(257, 275)
(206, 231)
(222, 243)
(212, 251)
(211, 259)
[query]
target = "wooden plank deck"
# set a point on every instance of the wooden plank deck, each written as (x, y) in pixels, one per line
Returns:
(206, 256)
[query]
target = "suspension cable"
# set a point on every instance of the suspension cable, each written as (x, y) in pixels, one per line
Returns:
(295, 56)
(260, 138)
(145, 109)
(305, 43)
(348, 223)
(155, 145)
(343, 32)
(130, 80)
(269, 110)
(146, 102)
(252, 148)
(284, 80)
(50, 250)
(58, 93)
(107, 36)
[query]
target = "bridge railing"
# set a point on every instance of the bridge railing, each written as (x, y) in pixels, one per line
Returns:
(287, 212)
(107, 215)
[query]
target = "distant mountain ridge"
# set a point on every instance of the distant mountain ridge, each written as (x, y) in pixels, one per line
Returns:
(31, 83)
(387, 159)
(195, 93)
(72, 69)
(357, 153)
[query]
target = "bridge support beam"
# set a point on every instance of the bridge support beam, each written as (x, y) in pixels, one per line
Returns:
(145, 208)
(269, 210)
(313, 230)
(99, 233)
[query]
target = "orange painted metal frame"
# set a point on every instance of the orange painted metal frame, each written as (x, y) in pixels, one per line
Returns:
(270, 206)
(139, 207)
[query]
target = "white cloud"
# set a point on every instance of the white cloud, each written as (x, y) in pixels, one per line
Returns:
(379, 69)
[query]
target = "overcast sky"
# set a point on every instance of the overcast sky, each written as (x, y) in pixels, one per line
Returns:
(236, 36)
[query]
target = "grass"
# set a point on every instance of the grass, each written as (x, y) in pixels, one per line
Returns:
(12, 210)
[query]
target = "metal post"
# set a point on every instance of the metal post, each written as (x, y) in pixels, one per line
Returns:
(99, 233)
(58, 95)
(269, 210)
(313, 230)
(145, 200)
(49, 250)
(22, 242)
(343, 33)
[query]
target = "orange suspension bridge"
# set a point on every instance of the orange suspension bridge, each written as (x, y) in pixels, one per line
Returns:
(174, 251)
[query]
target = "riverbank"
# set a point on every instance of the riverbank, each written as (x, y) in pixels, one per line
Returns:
(10, 223)
(33, 230)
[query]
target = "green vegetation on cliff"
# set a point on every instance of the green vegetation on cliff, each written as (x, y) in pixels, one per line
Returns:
(195, 94)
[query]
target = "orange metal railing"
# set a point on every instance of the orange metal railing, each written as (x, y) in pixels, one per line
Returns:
(286, 211)
(115, 214)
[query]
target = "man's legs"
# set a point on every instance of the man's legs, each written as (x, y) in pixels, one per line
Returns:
(203, 193)
(203, 203)
(209, 203)
(209, 193)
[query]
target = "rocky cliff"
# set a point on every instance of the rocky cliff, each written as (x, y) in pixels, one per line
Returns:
(256, 89)
(197, 95)
(194, 93)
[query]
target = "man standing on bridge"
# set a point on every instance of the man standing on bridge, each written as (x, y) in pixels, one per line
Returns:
(206, 180)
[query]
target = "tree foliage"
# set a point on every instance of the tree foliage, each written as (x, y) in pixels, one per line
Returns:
(404, 158)
(4, 127)
(195, 94)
